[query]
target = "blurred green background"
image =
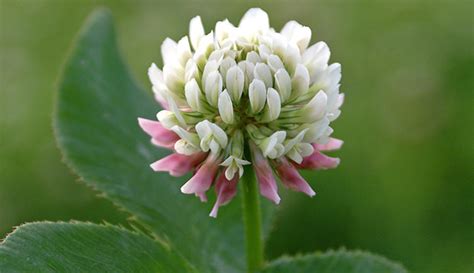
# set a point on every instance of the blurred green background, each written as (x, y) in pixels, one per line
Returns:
(405, 185)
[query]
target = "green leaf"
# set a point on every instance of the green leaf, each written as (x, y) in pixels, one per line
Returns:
(96, 127)
(340, 261)
(82, 247)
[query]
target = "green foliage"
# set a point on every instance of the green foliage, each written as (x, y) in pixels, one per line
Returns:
(97, 131)
(84, 247)
(340, 261)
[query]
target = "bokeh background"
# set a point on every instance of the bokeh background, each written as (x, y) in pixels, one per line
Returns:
(405, 185)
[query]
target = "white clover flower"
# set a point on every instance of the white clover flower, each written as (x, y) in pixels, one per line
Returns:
(241, 95)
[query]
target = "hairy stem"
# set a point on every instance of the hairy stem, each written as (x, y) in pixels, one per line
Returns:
(252, 220)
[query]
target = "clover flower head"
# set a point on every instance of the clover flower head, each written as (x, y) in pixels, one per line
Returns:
(245, 88)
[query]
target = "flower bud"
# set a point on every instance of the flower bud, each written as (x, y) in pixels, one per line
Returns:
(213, 87)
(257, 96)
(263, 73)
(235, 82)
(283, 84)
(273, 107)
(193, 95)
(226, 110)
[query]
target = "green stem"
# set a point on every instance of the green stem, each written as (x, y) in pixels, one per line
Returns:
(252, 220)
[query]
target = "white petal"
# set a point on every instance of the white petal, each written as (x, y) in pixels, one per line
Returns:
(226, 110)
(193, 94)
(292, 57)
(274, 63)
(183, 51)
(316, 108)
(211, 66)
(203, 129)
(174, 108)
(226, 64)
(316, 129)
(316, 57)
(257, 95)
(263, 73)
(235, 82)
(253, 57)
(183, 147)
(305, 149)
(280, 136)
(184, 134)
(300, 81)
(191, 70)
(167, 119)
(248, 68)
(196, 31)
(295, 156)
(219, 135)
(155, 75)
(168, 51)
(298, 34)
(224, 30)
(255, 19)
(213, 87)
(273, 107)
(283, 84)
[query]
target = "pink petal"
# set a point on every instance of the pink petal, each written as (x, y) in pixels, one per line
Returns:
(225, 190)
(318, 161)
(333, 144)
(178, 164)
(290, 177)
(159, 134)
(202, 180)
(266, 180)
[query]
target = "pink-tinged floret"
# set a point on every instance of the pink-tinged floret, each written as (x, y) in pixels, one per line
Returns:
(264, 173)
(178, 164)
(225, 191)
(160, 136)
(318, 161)
(203, 178)
(290, 177)
(332, 145)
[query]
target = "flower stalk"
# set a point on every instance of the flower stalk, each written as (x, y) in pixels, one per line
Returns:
(252, 220)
